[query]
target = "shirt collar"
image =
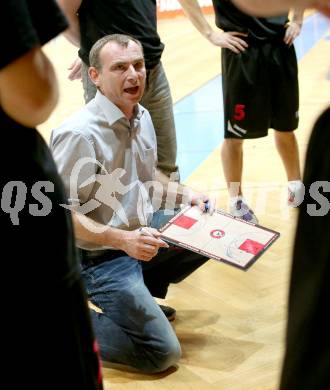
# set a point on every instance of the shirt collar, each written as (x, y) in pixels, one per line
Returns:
(112, 112)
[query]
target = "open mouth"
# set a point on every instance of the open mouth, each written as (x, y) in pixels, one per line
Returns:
(132, 90)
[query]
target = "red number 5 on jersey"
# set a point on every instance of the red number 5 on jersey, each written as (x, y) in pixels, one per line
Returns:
(239, 112)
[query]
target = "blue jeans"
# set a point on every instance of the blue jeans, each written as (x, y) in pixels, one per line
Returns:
(157, 99)
(132, 329)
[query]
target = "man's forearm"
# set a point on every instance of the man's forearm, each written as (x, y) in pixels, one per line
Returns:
(28, 88)
(70, 9)
(72, 34)
(172, 192)
(90, 231)
(298, 16)
(134, 243)
(193, 11)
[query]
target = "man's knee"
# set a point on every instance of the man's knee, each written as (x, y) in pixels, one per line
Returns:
(163, 358)
(232, 143)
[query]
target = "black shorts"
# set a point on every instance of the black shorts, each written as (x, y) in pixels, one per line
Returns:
(260, 90)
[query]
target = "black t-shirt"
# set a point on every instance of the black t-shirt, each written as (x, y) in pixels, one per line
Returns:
(307, 358)
(230, 18)
(46, 327)
(25, 158)
(137, 18)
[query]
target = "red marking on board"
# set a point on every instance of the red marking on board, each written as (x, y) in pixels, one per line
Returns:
(251, 246)
(217, 233)
(185, 222)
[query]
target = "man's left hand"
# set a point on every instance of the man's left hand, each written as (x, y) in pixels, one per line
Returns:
(204, 202)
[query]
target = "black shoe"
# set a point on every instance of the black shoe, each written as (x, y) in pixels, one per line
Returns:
(169, 311)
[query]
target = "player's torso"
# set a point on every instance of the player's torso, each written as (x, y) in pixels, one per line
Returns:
(230, 18)
(133, 17)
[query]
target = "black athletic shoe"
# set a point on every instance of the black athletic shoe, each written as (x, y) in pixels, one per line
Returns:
(169, 311)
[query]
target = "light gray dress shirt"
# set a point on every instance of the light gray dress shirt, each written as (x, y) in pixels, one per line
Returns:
(107, 163)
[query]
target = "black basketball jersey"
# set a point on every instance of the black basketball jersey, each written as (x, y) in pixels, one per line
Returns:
(230, 18)
(137, 18)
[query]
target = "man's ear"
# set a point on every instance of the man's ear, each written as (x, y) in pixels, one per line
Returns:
(94, 75)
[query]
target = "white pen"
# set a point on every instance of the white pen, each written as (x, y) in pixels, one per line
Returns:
(145, 232)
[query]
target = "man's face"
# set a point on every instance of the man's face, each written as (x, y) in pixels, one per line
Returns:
(272, 7)
(122, 76)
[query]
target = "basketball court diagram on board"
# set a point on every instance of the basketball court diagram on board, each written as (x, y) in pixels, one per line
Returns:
(219, 236)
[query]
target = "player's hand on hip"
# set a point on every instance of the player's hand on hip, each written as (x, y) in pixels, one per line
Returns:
(143, 244)
(75, 70)
(230, 40)
(292, 32)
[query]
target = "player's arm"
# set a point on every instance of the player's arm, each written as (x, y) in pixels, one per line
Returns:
(193, 11)
(294, 27)
(298, 16)
(72, 34)
(70, 9)
(230, 40)
(28, 88)
(136, 244)
(173, 194)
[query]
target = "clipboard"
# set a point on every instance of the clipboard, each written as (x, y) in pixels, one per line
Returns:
(219, 236)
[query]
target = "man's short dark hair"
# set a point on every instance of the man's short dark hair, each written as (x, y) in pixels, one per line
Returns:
(121, 39)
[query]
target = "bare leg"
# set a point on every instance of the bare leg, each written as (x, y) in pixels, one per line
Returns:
(232, 162)
(287, 147)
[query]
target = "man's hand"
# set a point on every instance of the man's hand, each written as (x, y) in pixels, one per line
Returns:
(75, 70)
(142, 245)
(229, 40)
(291, 33)
(206, 204)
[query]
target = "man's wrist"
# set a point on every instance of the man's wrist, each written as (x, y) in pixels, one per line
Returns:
(208, 34)
(114, 237)
(298, 22)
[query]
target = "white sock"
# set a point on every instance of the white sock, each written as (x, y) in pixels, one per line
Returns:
(298, 189)
(295, 185)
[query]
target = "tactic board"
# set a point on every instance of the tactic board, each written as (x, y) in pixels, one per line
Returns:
(219, 236)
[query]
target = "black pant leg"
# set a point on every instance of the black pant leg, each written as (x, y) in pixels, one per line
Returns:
(170, 266)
